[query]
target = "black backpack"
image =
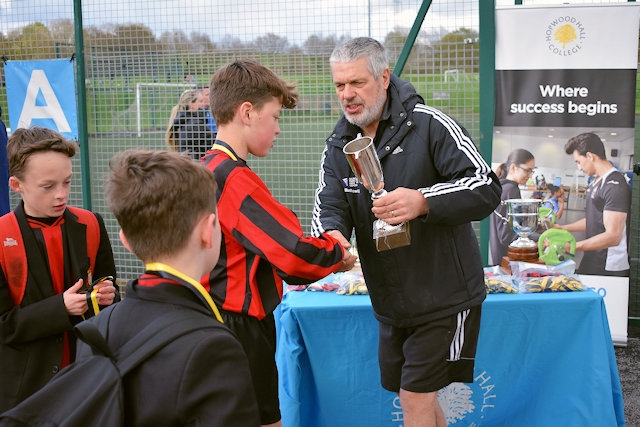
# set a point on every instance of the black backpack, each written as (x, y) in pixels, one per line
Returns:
(89, 391)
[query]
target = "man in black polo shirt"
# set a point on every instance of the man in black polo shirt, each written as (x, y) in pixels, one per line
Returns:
(606, 223)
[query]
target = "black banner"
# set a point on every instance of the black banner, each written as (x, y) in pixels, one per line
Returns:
(552, 98)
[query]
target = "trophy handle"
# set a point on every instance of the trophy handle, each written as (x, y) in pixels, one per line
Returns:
(504, 219)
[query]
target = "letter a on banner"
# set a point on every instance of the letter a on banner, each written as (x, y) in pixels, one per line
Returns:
(42, 93)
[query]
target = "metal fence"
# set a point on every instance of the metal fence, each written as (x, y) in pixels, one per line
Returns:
(139, 56)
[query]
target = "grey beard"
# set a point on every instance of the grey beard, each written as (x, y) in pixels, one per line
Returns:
(370, 114)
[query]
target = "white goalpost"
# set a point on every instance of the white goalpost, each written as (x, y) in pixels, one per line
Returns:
(138, 103)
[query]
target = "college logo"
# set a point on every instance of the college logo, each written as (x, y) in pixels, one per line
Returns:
(468, 404)
(565, 35)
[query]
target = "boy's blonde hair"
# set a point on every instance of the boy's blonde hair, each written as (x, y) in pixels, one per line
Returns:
(158, 197)
(246, 80)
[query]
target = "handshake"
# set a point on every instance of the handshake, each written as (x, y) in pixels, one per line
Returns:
(348, 258)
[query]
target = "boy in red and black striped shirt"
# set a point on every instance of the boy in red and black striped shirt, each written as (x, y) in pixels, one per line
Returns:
(263, 242)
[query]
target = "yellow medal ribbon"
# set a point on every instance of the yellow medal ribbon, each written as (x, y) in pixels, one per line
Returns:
(159, 266)
(225, 150)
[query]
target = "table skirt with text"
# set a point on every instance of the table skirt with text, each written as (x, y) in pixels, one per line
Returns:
(542, 360)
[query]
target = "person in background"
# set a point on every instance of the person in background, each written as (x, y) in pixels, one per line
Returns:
(211, 122)
(50, 253)
(165, 205)
(188, 129)
(263, 242)
(4, 169)
(187, 102)
(608, 203)
(555, 200)
(515, 171)
(426, 296)
(540, 183)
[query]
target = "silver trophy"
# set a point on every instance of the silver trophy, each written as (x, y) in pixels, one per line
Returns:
(364, 161)
(523, 215)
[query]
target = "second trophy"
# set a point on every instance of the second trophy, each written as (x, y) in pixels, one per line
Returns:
(364, 161)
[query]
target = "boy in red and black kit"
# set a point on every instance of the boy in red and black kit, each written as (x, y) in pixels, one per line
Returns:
(263, 242)
(49, 253)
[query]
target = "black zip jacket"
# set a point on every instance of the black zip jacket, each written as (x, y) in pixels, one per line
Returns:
(421, 148)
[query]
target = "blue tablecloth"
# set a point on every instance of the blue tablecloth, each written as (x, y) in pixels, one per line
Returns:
(543, 360)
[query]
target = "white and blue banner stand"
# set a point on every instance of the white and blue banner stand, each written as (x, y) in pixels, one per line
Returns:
(561, 71)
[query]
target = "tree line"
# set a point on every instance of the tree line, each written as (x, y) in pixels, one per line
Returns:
(133, 48)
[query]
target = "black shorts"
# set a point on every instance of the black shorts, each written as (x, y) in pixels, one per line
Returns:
(258, 337)
(428, 357)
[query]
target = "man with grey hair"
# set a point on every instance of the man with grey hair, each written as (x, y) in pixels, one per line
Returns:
(427, 296)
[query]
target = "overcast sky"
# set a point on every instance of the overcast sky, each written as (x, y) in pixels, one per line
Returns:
(245, 19)
(248, 19)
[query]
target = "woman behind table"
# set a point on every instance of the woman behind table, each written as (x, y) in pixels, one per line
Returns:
(515, 171)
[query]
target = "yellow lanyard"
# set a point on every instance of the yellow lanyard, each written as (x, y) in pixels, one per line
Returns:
(224, 149)
(180, 277)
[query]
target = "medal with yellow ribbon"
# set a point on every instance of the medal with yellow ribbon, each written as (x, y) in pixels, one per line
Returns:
(168, 272)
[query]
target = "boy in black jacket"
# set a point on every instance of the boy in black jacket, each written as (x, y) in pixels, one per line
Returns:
(166, 207)
(49, 253)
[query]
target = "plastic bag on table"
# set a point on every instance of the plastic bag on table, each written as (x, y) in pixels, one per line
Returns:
(327, 284)
(497, 282)
(351, 283)
(295, 288)
(531, 277)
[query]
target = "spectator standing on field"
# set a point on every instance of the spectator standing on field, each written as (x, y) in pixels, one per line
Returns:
(189, 130)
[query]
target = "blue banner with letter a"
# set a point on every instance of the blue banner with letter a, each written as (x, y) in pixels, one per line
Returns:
(42, 93)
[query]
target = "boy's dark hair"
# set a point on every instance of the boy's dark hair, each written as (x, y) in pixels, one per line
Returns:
(24, 142)
(586, 143)
(552, 188)
(157, 198)
(246, 80)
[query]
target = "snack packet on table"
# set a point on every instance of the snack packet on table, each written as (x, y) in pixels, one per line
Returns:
(531, 277)
(351, 283)
(326, 284)
(498, 282)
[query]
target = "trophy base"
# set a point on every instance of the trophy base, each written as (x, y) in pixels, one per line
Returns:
(525, 254)
(391, 236)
